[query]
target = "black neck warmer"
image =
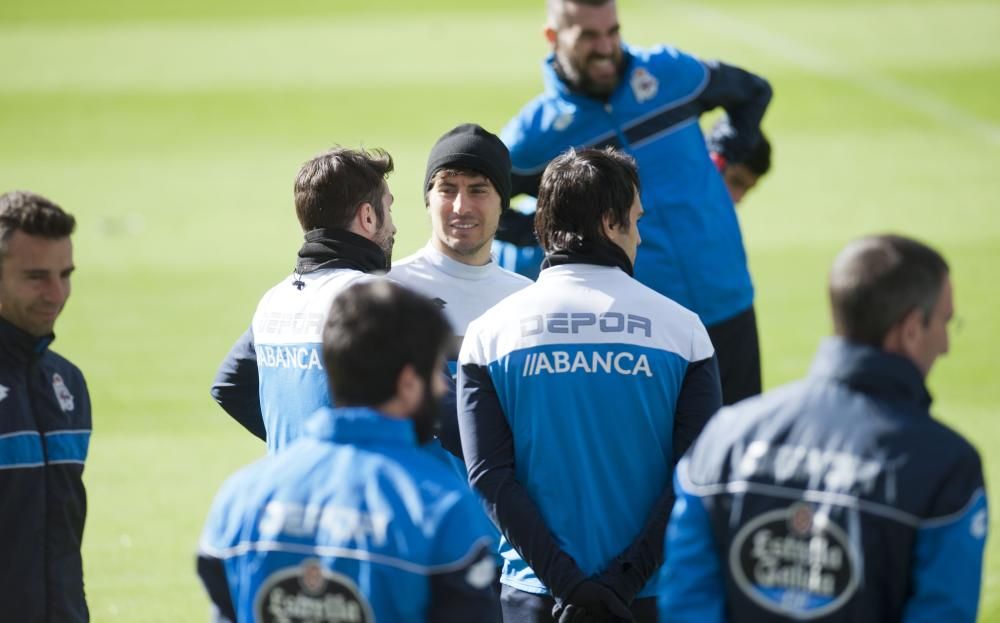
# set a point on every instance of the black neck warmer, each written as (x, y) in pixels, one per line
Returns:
(339, 248)
(600, 252)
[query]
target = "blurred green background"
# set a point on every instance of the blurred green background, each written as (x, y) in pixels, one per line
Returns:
(174, 131)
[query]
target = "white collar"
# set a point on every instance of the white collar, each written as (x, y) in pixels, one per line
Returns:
(457, 269)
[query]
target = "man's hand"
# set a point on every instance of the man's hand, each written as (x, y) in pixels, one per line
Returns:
(591, 601)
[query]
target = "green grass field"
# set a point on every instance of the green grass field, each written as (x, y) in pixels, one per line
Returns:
(174, 130)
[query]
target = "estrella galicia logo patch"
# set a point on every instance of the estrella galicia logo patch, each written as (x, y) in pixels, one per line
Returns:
(644, 85)
(62, 393)
(795, 562)
(310, 593)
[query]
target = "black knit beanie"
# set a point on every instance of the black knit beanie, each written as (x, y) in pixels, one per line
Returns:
(469, 146)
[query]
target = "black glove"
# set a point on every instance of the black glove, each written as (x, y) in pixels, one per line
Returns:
(571, 614)
(624, 579)
(591, 601)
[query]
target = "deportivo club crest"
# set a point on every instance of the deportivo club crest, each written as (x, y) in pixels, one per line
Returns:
(563, 121)
(310, 593)
(644, 85)
(62, 393)
(795, 562)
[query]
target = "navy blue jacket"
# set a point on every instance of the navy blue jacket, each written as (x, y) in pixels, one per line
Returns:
(835, 499)
(354, 522)
(44, 436)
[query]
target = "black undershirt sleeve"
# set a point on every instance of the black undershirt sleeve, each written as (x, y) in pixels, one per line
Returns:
(745, 97)
(213, 577)
(236, 386)
(699, 399)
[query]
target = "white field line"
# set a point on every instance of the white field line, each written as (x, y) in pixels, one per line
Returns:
(802, 55)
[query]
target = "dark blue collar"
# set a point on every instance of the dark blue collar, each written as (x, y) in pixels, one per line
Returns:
(20, 345)
(360, 424)
(872, 371)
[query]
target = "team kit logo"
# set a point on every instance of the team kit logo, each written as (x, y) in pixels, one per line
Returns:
(63, 395)
(795, 562)
(644, 85)
(310, 593)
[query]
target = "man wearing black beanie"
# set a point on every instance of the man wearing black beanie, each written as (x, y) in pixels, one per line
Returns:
(470, 146)
(466, 187)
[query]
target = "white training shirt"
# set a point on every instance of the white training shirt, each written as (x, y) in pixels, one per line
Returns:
(464, 292)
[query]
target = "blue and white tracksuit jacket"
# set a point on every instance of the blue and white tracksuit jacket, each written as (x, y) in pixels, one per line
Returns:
(576, 396)
(44, 439)
(834, 499)
(283, 349)
(692, 249)
(352, 522)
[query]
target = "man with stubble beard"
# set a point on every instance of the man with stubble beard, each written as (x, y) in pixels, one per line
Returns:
(273, 377)
(601, 92)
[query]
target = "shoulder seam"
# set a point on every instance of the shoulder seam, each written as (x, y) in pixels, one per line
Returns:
(937, 522)
(246, 547)
(810, 495)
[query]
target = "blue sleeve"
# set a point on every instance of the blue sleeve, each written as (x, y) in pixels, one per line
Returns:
(488, 446)
(745, 97)
(693, 589)
(223, 528)
(948, 556)
(236, 386)
(526, 172)
(523, 260)
(699, 399)
(515, 247)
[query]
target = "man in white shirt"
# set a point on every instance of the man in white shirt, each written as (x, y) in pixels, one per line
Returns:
(466, 187)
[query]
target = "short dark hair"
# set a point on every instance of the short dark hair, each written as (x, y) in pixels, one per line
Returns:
(757, 159)
(330, 187)
(877, 281)
(33, 214)
(578, 190)
(373, 330)
(556, 15)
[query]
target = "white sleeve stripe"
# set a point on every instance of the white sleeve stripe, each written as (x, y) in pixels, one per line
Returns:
(345, 552)
(813, 495)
